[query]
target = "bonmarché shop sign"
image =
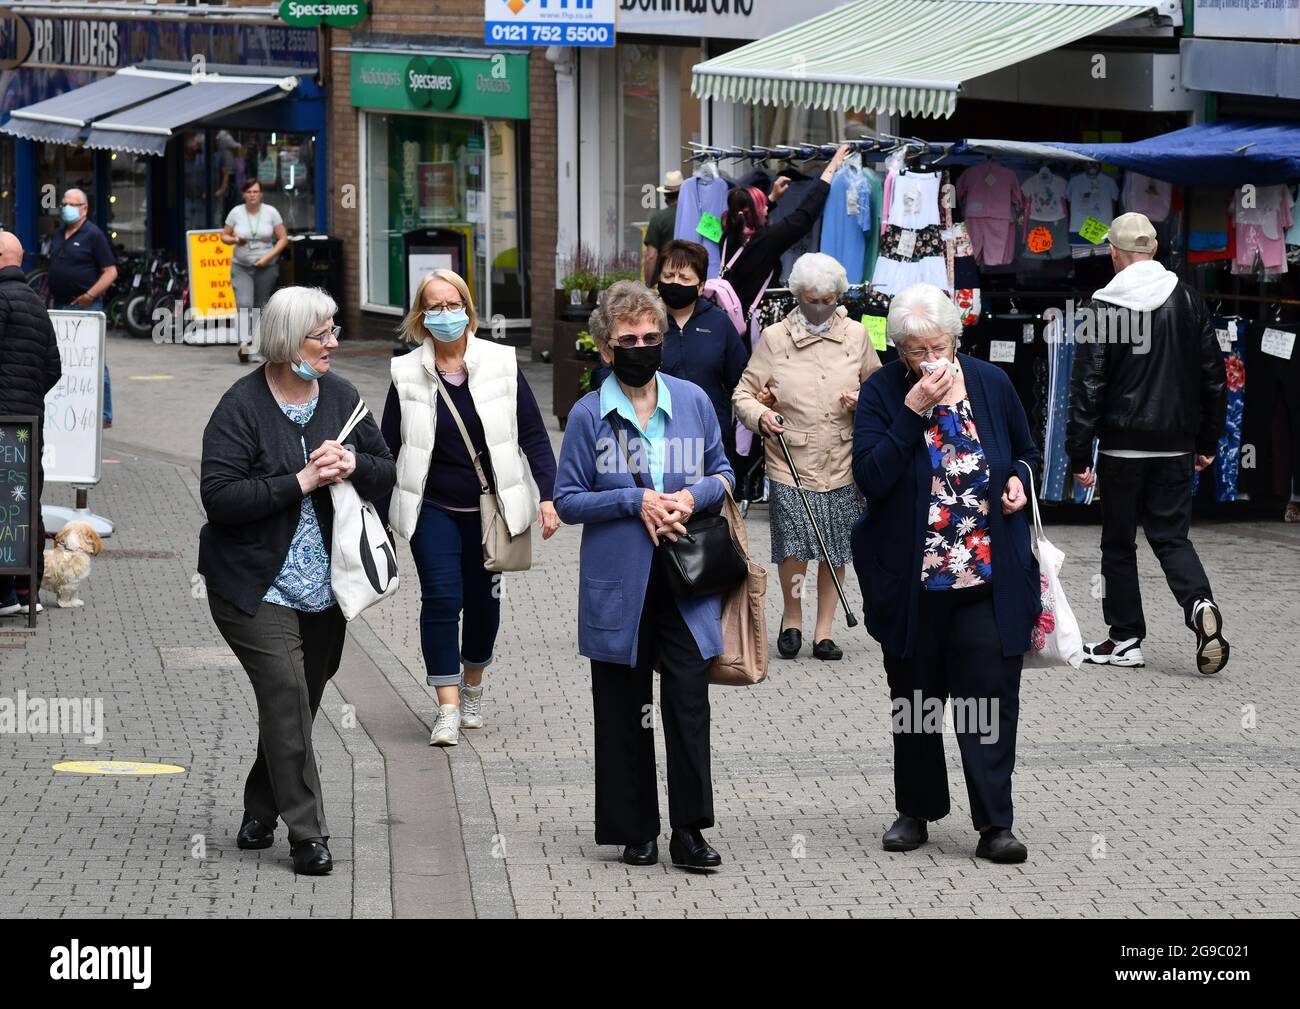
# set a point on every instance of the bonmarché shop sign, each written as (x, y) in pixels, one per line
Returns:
(494, 86)
(310, 13)
(718, 19)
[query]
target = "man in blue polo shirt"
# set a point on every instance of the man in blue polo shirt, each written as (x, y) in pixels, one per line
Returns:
(82, 268)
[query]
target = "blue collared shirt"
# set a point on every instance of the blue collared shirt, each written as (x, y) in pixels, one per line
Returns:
(612, 397)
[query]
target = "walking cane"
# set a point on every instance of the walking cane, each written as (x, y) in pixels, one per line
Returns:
(803, 496)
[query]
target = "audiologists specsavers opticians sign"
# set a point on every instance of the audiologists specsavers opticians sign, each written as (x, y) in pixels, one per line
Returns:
(494, 86)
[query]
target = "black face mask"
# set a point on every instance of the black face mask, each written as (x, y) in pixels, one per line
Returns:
(678, 296)
(636, 366)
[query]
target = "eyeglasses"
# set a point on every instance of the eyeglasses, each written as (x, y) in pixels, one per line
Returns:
(629, 340)
(450, 306)
(920, 352)
(332, 335)
(67, 204)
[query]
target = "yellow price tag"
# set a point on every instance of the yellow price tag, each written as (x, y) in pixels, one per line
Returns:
(876, 330)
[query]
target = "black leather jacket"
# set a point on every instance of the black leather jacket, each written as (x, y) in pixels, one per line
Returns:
(1163, 392)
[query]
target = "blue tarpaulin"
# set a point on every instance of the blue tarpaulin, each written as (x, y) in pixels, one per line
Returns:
(1219, 155)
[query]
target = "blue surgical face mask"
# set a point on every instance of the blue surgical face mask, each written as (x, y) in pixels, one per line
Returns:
(304, 370)
(71, 215)
(446, 327)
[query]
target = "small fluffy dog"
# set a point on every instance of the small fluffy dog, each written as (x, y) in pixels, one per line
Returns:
(68, 562)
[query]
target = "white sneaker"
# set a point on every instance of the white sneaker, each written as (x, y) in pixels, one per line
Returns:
(1126, 653)
(471, 707)
(446, 729)
(1211, 645)
(14, 609)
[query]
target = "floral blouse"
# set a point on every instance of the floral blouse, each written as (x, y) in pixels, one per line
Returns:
(304, 581)
(957, 535)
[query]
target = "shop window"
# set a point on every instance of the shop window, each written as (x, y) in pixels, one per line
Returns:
(429, 172)
(509, 290)
(638, 147)
(61, 167)
(127, 201)
(217, 162)
(7, 183)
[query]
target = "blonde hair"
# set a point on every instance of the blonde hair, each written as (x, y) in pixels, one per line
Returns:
(625, 301)
(413, 330)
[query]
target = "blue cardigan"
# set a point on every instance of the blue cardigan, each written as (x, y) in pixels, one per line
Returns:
(594, 488)
(892, 468)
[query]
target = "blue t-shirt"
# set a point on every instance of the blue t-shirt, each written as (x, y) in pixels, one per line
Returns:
(77, 262)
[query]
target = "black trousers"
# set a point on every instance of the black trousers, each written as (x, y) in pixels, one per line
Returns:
(959, 654)
(1157, 493)
(289, 656)
(627, 792)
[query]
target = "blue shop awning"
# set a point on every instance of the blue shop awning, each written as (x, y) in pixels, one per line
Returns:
(63, 118)
(1220, 155)
(145, 129)
(139, 108)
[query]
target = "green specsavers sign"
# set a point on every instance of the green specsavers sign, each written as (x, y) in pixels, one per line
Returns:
(310, 13)
(494, 86)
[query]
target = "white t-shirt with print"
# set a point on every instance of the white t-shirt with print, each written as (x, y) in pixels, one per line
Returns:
(1091, 196)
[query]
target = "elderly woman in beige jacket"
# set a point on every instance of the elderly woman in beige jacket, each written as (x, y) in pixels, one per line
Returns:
(807, 370)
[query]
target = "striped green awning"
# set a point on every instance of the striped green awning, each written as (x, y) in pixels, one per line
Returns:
(901, 56)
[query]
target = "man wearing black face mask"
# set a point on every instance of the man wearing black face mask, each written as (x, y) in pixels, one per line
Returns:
(701, 346)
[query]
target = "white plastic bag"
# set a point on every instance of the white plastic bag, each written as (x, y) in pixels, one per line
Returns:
(1055, 639)
(363, 567)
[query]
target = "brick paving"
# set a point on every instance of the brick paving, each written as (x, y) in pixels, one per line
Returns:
(1139, 792)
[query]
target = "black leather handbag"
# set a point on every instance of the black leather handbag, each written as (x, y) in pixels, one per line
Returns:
(704, 562)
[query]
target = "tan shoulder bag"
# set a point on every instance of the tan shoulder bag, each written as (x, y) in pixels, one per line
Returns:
(501, 551)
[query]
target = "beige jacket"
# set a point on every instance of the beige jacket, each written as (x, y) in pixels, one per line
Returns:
(807, 373)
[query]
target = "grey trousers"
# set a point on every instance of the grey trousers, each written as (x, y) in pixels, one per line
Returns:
(253, 289)
(289, 656)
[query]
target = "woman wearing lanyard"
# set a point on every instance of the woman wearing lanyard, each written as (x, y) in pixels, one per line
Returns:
(257, 233)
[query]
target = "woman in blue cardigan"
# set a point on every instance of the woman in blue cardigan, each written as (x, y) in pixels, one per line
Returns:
(628, 619)
(949, 582)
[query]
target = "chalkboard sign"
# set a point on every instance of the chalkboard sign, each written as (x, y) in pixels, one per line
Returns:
(20, 448)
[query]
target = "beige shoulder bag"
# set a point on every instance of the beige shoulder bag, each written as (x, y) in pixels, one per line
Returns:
(501, 551)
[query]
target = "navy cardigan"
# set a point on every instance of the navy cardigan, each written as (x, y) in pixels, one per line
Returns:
(892, 468)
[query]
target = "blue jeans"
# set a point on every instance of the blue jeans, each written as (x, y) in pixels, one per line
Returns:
(449, 558)
(96, 306)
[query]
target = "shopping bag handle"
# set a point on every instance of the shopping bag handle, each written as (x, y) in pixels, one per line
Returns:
(1033, 501)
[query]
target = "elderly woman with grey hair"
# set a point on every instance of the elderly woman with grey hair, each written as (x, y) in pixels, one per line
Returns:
(269, 457)
(640, 457)
(942, 453)
(803, 381)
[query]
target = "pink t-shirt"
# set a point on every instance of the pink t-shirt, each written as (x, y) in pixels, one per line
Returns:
(1261, 219)
(990, 190)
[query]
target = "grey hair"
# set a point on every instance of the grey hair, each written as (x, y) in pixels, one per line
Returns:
(919, 311)
(816, 275)
(625, 301)
(288, 317)
(79, 192)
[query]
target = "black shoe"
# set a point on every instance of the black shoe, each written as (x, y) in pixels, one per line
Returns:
(312, 858)
(641, 854)
(789, 641)
(689, 850)
(998, 844)
(254, 834)
(907, 833)
(1211, 645)
(827, 650)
